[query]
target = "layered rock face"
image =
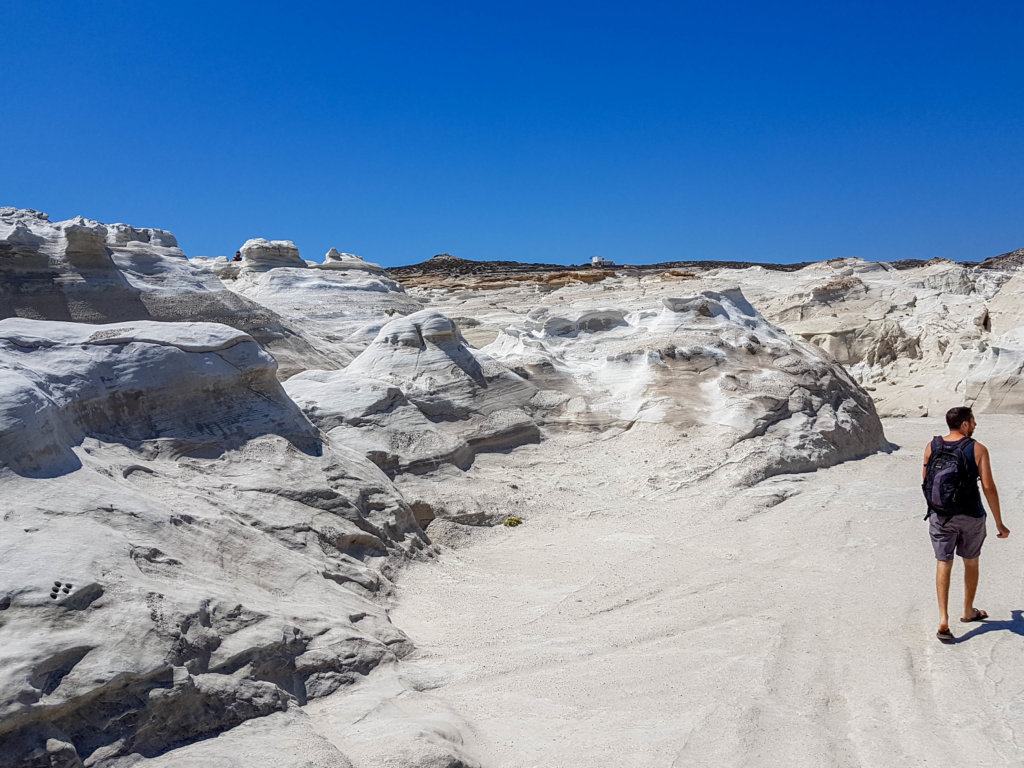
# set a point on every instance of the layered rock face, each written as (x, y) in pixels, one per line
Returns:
(993, 377)
(83, 271)
(919, 336)
(913, 337)
(341, 303)
(175, 388)
(181, 550)
(706, 364)
(335, 260)
(260, 254)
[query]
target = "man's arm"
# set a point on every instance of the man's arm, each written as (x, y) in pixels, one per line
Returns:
(927, 458)
(988, 485)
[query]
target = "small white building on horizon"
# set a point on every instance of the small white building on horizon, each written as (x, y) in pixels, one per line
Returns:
(601, 261)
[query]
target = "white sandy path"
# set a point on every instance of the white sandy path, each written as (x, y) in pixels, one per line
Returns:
(610, 630)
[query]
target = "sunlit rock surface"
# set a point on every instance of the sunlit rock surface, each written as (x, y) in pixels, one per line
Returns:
(418, 397)
(260, 254)
(707, 363)
(335, 260)
(911, 336)
(181, 550)
(915, 335)
(341, 304)
(84, 271)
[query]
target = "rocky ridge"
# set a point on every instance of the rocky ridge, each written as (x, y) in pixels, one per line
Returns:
(917, 336)
(83, 271)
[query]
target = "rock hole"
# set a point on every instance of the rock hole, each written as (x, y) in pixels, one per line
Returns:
(423, 513)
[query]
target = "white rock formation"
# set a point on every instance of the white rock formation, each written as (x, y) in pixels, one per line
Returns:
(221, 266)
(418, 397)
(180, 549)
(341, 306)
(916, 337)
(260, 254)
(234, 533)
(335, 260)
(84, 271)
(705, 363)
(912, 336)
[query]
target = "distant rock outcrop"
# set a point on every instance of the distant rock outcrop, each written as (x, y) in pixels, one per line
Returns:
(446, 265)
(340, 305)
(84, 271)
(913, 337)
(335, 260)
(1010, 261)
(260, 254)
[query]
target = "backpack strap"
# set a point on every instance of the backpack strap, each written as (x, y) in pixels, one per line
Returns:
(962, 453)
(959, 450)
(936, 446)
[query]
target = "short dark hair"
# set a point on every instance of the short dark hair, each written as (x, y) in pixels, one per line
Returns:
(957, 416)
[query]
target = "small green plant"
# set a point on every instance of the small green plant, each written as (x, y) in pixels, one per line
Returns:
(512, 522)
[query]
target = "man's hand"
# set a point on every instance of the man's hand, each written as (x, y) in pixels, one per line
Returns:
(1003, 531)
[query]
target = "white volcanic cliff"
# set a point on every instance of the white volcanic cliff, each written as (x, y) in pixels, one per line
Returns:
(419, 397)
(84, 271)
(702, 364)
(182, 550)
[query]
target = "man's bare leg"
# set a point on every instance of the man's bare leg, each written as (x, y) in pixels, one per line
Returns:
(970, 586)
(943, 570)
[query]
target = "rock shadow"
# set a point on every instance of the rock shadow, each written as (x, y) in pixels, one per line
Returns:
(90, 289)
(466, 362)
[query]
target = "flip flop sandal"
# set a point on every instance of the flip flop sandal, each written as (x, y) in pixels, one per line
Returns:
(945, 636)
(979, 615)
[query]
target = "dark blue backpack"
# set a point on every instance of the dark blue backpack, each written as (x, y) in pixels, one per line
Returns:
(948, 480)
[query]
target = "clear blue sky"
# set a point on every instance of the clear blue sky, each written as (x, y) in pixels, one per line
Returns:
(535, 131)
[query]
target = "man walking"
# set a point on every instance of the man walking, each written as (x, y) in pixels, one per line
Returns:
(962, 532)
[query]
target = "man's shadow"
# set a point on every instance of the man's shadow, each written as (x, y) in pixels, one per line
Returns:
(1015, 625)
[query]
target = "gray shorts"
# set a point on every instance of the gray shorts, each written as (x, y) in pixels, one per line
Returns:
(961, 534)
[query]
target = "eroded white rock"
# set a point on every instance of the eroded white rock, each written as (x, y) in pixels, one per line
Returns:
(180, 550)
(259, 254)
(84, 271)
(340, 307)
(419, 396)
(335, 260)
(707, 363)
